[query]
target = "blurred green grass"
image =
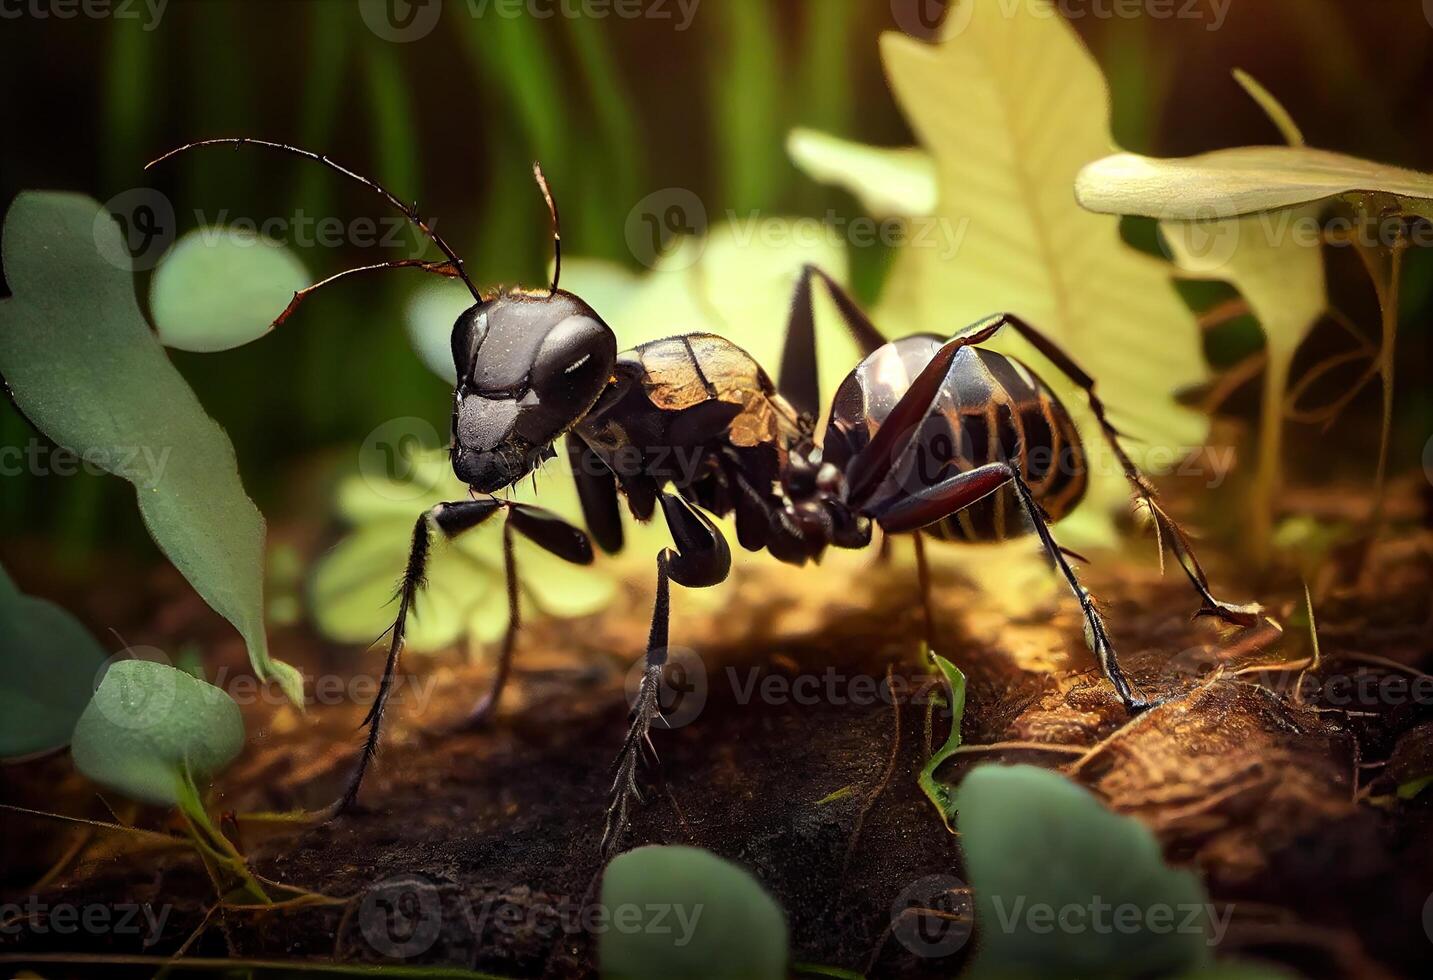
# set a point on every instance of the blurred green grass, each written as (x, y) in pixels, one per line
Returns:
(615, 109)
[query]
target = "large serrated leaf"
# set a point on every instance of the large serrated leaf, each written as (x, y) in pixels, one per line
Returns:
(1009, 107)
(85, 367)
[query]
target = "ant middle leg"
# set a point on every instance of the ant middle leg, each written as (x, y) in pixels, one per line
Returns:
(701, 559)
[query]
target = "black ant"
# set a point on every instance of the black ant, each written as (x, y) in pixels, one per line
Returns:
(926, 434)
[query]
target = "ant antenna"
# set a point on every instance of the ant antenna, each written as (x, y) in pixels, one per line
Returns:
(556, 226)
(409, 211)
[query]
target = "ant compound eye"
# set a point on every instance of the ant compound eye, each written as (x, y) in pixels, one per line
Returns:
(573, 363)
(468, 334)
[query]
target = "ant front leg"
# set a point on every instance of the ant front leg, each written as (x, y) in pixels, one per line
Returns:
(931, 504)
(452, 519)
(702, 559)
(554, 535)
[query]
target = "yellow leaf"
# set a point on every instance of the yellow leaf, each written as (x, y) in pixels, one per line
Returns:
(1011, 108)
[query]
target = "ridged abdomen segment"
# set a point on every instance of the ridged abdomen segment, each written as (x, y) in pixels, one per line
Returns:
(991, 409)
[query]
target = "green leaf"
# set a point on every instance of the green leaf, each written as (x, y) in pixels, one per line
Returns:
(73, 326)
(49, 662)
(148, 723)
(220, 288)
(1240, 180)
(888, 182)
(939, 793)
(681, 912)
(1045, 858)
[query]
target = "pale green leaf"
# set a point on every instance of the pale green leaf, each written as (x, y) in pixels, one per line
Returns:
(149, 722)
(1037, 844)
(1240, 180)
(896, 182)
(49, 662)
(219, 288)
(1275, 260)
(1011, 107)
(73, 326)
(719, 921)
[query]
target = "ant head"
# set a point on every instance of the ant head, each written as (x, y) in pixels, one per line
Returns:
(530, 365)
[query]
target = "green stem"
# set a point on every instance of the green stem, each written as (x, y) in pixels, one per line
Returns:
(1271, 437)
(210, 839)
(1385, 269)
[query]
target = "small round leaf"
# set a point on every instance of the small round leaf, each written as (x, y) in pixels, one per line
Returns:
(220, 288)
(674, 912)
(147, 722)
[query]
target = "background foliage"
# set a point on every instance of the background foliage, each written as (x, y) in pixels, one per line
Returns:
(616, 109)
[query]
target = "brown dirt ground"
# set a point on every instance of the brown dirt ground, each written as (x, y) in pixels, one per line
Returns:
(1283, 802)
